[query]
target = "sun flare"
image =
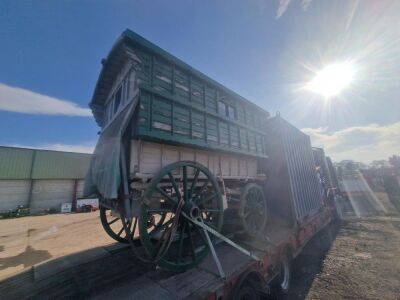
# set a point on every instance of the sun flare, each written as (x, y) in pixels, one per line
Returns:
(332, 79)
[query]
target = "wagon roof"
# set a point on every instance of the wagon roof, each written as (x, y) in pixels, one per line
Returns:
(118, 56)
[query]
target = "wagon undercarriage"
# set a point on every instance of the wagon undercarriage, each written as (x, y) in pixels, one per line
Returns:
(165, 209)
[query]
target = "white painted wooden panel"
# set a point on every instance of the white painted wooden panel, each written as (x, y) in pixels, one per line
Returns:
(234, 165)
(224, 161)
(202, 158)
(170, 155)
(13, 193)
(147, 158)
(150, 158)
(214, 164)
(242, 168)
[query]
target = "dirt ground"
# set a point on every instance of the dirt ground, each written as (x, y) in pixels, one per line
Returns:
(29, 240)
(363, 262)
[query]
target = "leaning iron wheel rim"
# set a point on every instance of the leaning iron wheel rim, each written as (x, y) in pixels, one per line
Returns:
(253, 209)
(188, 187)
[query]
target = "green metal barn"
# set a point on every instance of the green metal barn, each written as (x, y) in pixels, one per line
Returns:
(40, 179)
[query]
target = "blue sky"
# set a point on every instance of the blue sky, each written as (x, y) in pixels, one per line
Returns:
(50, 54)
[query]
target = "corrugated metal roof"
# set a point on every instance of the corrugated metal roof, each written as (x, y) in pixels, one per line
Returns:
(16, 163)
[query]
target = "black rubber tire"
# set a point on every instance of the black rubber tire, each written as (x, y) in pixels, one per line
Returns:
(248, 290)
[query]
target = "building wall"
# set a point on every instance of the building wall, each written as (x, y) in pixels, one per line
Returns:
(13, 193)
(52, 175)
(50, 194)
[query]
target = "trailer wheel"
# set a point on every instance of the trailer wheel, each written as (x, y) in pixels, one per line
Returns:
(253, 209)
(248, 290)
(285, 276)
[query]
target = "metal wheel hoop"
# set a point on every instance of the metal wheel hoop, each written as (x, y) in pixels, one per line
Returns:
(253, 209)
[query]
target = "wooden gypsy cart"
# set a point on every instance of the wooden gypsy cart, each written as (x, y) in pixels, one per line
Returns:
(177, 153)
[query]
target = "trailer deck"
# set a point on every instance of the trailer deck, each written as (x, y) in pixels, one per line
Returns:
(119, 272)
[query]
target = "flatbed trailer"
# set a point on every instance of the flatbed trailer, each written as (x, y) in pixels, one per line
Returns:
(244, 276)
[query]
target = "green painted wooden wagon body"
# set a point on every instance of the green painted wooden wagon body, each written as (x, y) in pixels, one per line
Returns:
(177, 104)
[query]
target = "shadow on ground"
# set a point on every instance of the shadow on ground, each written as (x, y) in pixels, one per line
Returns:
(28, 258)
(309, 264)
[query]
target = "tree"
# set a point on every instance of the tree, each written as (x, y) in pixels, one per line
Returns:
(379, 164)
(395, 162)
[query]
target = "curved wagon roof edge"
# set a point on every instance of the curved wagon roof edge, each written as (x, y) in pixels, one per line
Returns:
(117, 56)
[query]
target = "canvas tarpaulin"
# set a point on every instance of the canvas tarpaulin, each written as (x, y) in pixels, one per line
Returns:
(104, 174)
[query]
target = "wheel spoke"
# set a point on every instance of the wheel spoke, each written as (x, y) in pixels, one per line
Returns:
(172, 179)
(205, 200)
(181, 232)
(191, 241)
(201, 234)
(204, 186)
(162, 192)
(160, 211)
(206, 210)
(160, 227)
(185, 191)
(134, 227)
(196, 175)
(113, 221)
(119, 233)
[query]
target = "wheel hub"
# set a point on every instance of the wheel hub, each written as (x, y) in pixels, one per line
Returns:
(192, 210)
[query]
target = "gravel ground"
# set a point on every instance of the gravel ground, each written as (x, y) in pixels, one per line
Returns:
(363, 262)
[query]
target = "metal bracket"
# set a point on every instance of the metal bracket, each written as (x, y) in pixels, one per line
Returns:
(208, 229)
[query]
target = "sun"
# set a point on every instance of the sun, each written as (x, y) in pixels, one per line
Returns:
(332, 79)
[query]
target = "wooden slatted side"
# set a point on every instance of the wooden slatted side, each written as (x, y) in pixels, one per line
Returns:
(147, 159)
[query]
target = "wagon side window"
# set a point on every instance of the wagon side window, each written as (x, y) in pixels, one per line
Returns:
(117, 99)
(109, 112)
(222, 108)
(231, 112)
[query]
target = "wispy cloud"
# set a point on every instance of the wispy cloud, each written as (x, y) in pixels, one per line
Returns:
(283, 6)
(305, 4)
(20, 100)
(81, 148)
(360, 143)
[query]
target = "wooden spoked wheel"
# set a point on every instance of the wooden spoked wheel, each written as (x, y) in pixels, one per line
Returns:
(112, 224)
(253, 209)
(181, 188)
